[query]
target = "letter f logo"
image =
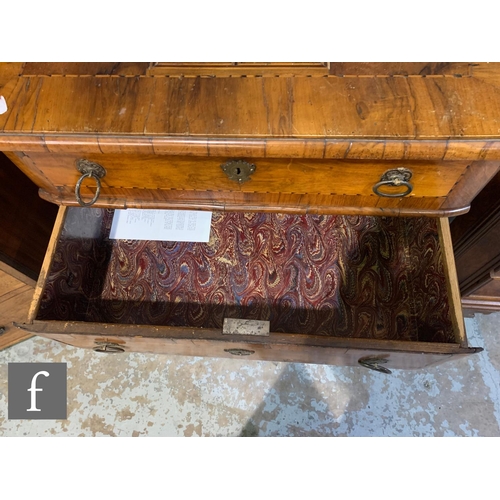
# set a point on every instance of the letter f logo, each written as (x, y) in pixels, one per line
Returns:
(34, 389)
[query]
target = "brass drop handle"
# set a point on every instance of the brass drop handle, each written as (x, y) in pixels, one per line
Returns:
(89, 169)
(239, 352)
(394, 178)
(108, 347)
(374, 362)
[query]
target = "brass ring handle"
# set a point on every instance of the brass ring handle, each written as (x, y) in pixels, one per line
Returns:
(239, 352)
(89, 169)
(108, 347)
(395, 178)
(77, 190)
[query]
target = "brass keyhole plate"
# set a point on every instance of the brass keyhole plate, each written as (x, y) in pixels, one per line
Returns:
(238, 170)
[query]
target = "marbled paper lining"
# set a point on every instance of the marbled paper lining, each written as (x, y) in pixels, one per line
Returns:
(346, 276)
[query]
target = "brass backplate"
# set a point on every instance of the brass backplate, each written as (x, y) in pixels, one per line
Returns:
(87, 167)
(239, 352)
(397, 176)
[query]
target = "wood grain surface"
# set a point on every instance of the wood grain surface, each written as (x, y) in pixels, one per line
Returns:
(383, 113)
(16, 293)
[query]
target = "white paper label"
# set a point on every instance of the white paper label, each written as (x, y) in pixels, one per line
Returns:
(161, 225)
(3, 105)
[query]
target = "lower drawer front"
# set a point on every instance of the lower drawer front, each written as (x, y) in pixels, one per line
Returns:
(272, 349)
(275, 185)
(334, 289)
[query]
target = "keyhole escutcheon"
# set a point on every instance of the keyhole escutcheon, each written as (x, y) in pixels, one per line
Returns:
(238, 170)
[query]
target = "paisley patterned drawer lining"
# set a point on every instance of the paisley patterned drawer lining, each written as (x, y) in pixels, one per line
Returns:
(346, 276)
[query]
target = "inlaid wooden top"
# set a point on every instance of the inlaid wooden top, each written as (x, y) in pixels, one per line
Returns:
(310, 110)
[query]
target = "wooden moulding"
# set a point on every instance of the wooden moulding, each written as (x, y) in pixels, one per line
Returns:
(293, 204)
(478, 303)
(485, 297)
(313, 148)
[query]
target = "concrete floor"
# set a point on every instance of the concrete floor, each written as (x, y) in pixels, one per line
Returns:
(161, 395)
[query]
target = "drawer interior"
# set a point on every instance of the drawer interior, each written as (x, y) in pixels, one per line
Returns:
(340, 276)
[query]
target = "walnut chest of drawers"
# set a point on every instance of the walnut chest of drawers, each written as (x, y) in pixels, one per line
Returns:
(330, 186)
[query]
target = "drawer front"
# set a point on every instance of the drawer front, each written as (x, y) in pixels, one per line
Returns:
(287, 185)
(270, 350)
(360, 332)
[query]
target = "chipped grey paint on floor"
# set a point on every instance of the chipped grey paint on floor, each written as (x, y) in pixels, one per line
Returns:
(160, 395)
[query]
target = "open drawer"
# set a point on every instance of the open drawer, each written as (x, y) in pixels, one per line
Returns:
(379, 291)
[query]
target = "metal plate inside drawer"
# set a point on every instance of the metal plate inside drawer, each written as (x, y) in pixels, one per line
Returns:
(233, 326)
